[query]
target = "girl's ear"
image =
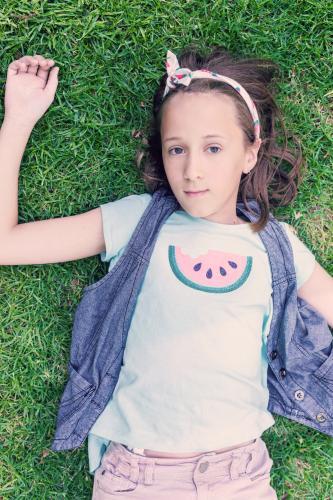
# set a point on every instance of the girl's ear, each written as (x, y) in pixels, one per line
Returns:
(252, 156)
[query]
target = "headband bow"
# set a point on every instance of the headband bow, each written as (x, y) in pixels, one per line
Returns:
(183, 76)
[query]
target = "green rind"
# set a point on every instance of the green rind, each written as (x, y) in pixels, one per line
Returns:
(203, 288)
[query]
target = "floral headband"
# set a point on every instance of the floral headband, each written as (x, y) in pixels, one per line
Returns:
(183, 76)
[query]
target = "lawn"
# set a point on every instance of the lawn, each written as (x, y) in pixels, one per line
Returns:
(82, 154)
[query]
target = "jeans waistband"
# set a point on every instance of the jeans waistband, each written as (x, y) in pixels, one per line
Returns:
(230, 464)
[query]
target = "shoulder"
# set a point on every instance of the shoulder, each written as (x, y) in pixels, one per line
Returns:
(131, 201)
(295, 240)
(120, 218)
(288, 228)
(304, 259)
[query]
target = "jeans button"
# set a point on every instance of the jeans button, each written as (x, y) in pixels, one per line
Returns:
(321, 417)
(299, 395)
(203, 466)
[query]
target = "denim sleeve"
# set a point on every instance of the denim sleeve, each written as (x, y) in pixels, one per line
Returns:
(304, 259)
(120, 218)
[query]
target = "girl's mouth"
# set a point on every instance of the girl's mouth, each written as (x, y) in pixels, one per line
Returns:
(195, 193)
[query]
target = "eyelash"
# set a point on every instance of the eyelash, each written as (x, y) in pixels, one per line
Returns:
(178, 147)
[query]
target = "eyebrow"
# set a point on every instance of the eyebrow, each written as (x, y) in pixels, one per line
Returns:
(209, 136)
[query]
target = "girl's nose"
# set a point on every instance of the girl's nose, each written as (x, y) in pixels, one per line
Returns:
(192, 169)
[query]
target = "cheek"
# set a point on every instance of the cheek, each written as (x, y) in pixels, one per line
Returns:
(226, 178)
(167, 167)
(172, 171)
(172, 176)
(169, 173)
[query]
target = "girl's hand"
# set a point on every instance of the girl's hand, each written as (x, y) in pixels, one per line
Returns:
(30, 88)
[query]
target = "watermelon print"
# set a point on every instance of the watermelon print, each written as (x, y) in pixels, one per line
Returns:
(215, 271)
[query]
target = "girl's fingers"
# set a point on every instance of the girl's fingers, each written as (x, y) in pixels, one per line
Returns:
(43, 70)
(52, 83)
(44, 63)
(43, 67)
(31, 64)
(28, 64)
(23, 67)
(16, 67)
(41, 60)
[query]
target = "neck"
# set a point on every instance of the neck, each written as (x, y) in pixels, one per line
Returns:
(230, 218)
(229, 221)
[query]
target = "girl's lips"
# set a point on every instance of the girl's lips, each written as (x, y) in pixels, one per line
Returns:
(195, 193)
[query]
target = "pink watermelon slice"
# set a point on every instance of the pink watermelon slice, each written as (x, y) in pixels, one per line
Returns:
(215, 271)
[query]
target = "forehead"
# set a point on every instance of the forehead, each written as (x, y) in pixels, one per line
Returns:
(200, 112)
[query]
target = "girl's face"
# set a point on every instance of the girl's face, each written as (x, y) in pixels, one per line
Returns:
(194, 162)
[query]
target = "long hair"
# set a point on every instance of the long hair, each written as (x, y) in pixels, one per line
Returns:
(274, 179)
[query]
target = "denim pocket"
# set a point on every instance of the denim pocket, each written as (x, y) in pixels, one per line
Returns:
(107, 276)
(99, 282)
(113, 482)
(75, 394)
(324, 374)
(312, 334)
(326, 369)
(75, 386)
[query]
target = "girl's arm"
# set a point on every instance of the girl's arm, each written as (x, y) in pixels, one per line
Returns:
(30, 89)
(318, 292)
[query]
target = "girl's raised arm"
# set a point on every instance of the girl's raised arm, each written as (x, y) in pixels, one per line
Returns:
(30, 90)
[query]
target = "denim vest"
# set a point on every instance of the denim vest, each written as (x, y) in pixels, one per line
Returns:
(299, 344)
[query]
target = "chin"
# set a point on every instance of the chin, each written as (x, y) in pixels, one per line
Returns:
(193, 207)
(195, 211)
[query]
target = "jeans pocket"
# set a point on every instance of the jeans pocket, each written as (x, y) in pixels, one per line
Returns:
(259, 477)
(77, 392)
(76, 387)
(260, 466)
(113, 481)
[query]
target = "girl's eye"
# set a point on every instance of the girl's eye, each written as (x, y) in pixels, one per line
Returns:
(216, 147)
(174, 149)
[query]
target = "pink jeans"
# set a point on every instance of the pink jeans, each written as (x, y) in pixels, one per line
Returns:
(242, 473)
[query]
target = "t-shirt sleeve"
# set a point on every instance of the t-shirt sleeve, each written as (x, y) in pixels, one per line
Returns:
(303, 258)
(120, 219)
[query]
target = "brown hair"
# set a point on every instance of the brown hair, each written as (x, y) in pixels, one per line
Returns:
(269, 182)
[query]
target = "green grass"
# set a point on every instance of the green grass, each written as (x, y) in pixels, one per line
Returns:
(81, 154)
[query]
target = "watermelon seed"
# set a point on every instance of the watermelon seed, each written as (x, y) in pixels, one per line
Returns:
(223, 271)
(232, 264)
(209, 273)
(197, 267)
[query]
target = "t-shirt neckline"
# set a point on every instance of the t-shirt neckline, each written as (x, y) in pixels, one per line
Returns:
(217, 225)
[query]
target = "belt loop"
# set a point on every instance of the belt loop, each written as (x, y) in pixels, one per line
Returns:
(235, 459)
(249, 461)
(138, 451)
(149, 473)
(134, 470)
(245, 460)
(211, 453)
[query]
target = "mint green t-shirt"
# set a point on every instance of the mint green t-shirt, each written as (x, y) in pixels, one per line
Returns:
(194, 373)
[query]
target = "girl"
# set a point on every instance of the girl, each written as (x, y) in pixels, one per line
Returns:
(191, 401)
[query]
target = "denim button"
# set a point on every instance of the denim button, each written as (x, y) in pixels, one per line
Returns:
(299, 395)
(321, 417)
(283, 372)
(203, 466)
(273, 354)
